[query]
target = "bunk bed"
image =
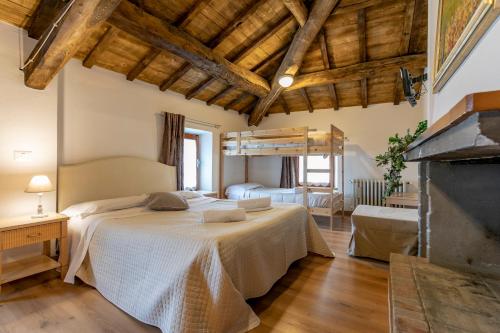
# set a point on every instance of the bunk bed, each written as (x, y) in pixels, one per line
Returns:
(297, 141)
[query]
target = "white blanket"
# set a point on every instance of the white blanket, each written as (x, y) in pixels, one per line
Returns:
(168, 270)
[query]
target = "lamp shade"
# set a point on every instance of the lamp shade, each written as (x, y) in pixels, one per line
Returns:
(38, 184)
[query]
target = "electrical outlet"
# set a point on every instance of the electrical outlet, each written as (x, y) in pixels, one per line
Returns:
(22, 155)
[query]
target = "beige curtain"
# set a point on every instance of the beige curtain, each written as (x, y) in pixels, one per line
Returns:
(172, 150)
(289, 172)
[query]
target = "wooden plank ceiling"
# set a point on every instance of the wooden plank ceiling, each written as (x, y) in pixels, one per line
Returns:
(236, 48)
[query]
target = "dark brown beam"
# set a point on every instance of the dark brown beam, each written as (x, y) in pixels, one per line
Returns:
(326, 64)
(214, 42)
(242, 54)
(298, 10)
(362, 5)
(45, 13)
(143, 64)
(284, 105)
(221, 95)
(274, 57)
(196, 7)
(203, 85)
(102, 44)
(236, 101)
(164, 36)
(295, 55)
(362, 55)
(260, 41)
(359, 71)
(303, 92)
(248, 108)
(175, 76)
(404, 46)
(65, 41)
(242, 17)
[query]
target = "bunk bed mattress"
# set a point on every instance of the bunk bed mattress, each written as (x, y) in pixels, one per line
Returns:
(315, 199)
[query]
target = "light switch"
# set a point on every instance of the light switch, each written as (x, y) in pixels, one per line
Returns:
(22, 155)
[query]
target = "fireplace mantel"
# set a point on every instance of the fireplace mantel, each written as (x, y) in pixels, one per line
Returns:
(470, 130)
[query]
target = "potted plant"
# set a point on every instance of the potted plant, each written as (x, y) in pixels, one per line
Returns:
(393, 161)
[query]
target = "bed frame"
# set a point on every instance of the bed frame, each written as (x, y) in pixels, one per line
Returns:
(112, 178)
(288, 142)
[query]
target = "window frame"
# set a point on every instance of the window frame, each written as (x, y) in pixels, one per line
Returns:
(196, 138)
(314, 171)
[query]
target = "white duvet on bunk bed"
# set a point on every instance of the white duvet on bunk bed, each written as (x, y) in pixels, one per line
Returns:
(287, 195)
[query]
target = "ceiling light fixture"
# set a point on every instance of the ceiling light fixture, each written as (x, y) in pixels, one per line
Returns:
(285, 80)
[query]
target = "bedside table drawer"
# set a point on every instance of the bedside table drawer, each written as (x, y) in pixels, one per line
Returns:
(30, 235)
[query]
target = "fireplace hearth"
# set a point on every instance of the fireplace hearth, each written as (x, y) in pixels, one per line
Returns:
(456, 281)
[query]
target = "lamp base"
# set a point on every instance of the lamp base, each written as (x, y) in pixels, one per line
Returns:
(39, 216)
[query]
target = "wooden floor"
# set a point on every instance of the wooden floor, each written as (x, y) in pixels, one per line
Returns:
(316, 295)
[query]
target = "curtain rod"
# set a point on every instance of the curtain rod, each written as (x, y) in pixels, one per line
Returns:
(197, 122)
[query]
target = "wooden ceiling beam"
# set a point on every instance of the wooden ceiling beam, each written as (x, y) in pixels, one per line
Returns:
(164, 36)
(102, 44)
(143, 64)
(404, 46)
(200, 87)
(65, 40)
(221, 95)
(362, 5)
(243, 54)
(290, 65)
(214, 42)
(242, 17)
(362, 55)
(236, 101)
(284, 105)
(256, 69)
(306, 98)
(45, 13)
(196, 7)
(359, 71)
(248, 108)
(326, 64)
(298, 10)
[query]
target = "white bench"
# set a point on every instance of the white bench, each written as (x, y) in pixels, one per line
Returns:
(379, 231)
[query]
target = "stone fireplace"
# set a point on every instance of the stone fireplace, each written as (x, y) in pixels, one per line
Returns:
(455, 284)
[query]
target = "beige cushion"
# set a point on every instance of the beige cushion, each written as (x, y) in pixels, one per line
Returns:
(379, 231)
(166, 201)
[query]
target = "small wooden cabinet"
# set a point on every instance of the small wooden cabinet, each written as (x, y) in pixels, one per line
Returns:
(23, 231)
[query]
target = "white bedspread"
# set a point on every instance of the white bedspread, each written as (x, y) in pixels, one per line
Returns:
(168, 270)
(288, 195)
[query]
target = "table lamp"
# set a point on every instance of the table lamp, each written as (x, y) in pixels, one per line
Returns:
(39, 184)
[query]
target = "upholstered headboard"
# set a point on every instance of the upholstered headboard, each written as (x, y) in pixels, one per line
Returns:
(111, 178)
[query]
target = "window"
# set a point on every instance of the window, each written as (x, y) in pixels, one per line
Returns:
(318, 170)
(191, 161)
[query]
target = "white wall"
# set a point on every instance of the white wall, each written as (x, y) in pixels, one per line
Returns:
(106, 115)
(28, 121)
(367, 132)
(479, 72)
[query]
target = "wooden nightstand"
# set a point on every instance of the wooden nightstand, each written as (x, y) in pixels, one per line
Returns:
(22, 231)
(210, 194)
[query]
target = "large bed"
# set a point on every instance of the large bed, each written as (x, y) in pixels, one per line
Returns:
(166, 268)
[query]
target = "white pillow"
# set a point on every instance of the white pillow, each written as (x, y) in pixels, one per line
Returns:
(188, 194)
(88, 208)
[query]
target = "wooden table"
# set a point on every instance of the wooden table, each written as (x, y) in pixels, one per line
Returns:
(406, 199)
(23, 231)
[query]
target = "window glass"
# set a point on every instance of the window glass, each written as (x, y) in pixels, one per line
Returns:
(318, 164)
(190, 164)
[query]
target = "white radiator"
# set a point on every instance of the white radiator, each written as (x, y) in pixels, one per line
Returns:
(371, 191)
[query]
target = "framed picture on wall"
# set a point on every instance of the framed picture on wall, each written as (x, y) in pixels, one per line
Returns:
(461, 24)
